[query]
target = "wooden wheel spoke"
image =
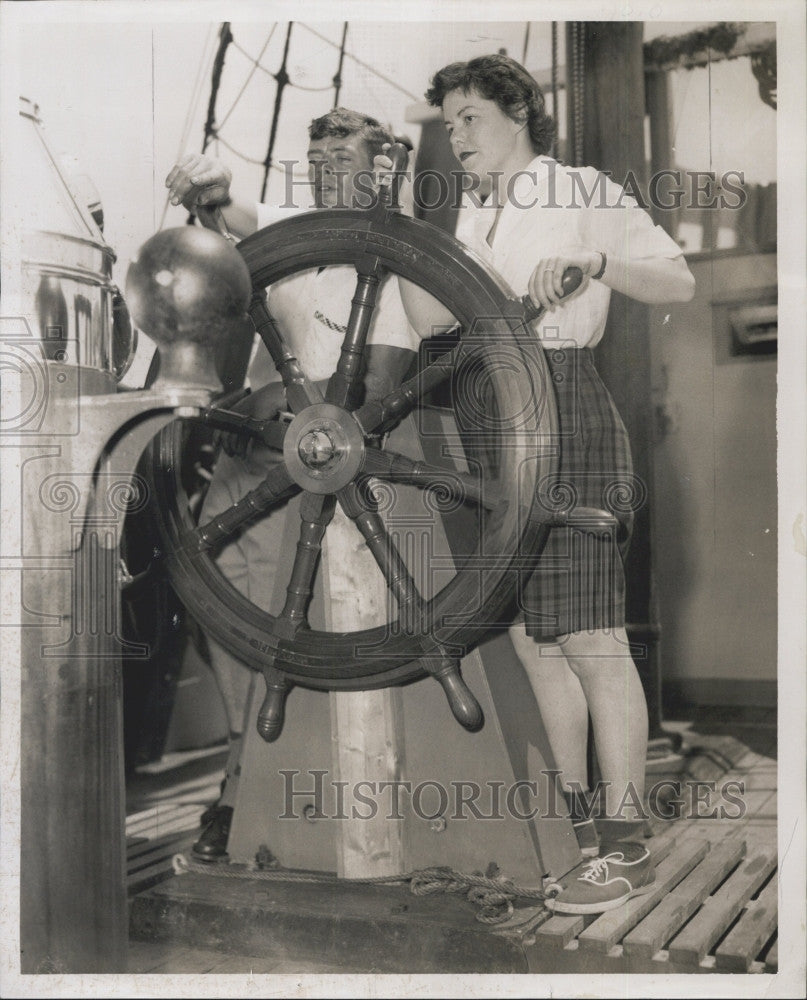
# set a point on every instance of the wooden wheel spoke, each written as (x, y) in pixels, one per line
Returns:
(272, 712)
(344, 381)
(300, 390)
(316, 513)
(449, 485)
(378, 415)
(276, 487)
(270, 431)
(389, 560)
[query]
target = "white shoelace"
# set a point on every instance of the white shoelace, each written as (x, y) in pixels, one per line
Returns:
(599, 866)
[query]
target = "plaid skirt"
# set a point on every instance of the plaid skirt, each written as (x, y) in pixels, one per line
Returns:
(578, 583)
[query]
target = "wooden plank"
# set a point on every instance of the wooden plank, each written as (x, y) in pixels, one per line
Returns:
(142, 847)
(660, 847)
(148, 956)
(612, 926)
(174, 823)
(743, 942)
(557, 932)
(772, 958)
(718, 911)
(178, 826)
(749, 760)
(523, 923)
(182, 960)
(758, 803)
(139, 881)
(163, 819)
(760, 779)
(366, 726)
(342, 925)
(142, 820)
(678, 906)
(252, 966)
(309, 968)
(164, 853)
(367, 742)
(201, 791)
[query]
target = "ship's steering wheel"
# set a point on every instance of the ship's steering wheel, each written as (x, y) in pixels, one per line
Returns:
(327, 455)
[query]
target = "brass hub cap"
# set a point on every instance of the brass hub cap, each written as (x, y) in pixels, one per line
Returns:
(323, 448)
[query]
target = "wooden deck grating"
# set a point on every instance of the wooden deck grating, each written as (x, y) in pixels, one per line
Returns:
(713, 908)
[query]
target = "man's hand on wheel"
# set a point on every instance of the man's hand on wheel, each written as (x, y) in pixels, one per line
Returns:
(262, 404)
(199, 180)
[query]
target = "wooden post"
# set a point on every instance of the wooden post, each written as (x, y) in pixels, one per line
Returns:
(73, 916)
(614, 141)
(72, 850)
(657, 90)
(73, 896)
(366, 726)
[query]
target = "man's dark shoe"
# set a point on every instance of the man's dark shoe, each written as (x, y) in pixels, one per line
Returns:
(212, 844)
(210, 812)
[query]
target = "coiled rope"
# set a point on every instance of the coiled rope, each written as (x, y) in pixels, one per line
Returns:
(493, 897)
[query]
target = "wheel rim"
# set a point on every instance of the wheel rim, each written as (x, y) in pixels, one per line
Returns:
(489, 315)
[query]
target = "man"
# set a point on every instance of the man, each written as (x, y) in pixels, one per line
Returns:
(311, 310)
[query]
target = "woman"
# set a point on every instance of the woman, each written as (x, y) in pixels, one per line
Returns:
(531, 218)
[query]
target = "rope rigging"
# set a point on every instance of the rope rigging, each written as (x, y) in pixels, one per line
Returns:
(337, 79)
(192, 106)
(225, 37)
(555, 113)
(360, 62)
(213, 128)
(238, 153)
(282, 79)
(256, 64)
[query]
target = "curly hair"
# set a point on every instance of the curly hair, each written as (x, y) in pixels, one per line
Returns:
(501, 79)
(342, 122)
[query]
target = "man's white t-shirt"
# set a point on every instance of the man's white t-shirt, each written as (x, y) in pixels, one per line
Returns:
(312, 310)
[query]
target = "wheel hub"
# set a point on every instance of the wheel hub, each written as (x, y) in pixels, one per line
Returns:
(323, 448)
(318, 450)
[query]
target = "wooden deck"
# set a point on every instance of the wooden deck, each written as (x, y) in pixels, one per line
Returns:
(713, 909)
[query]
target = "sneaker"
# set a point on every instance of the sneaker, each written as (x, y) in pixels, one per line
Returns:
(212, 845)
(587, 839)
(605, 882)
